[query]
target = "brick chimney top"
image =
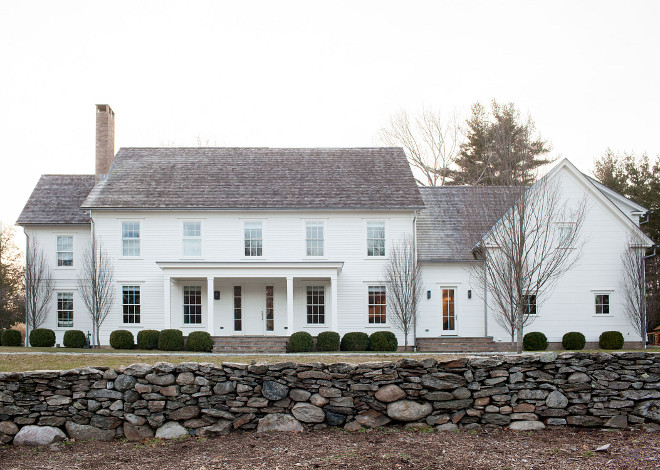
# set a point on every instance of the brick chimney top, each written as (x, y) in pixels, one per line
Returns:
(105, 139)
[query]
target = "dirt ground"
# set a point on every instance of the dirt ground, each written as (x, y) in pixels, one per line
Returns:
(390, 448)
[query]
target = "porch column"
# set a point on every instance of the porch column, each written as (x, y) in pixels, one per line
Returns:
(209, 307)
(289, 305)
(167, 300)
(333, 304)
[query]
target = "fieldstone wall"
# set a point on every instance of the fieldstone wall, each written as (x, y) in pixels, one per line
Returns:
(521, 392)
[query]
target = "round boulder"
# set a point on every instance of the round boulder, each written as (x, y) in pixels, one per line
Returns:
(279, 422)
(308, 413)
(408, 410)
(38, 436)
(390, 393)
(171, 430)
(274, 390)
(125, 382)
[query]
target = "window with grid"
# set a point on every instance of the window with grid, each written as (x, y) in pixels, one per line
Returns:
(375, 238)
(130, 238)
(529, 304)
(131, 304)
(192, 239)
(315, 305)
(377, 304)
(270, 311)
(192, 305)
(65, 309)
(602, 304)
(65, 250)
(314, 238)
(238, 309)
(564, 232)
(253, 239)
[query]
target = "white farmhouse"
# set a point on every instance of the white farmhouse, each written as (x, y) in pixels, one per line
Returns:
(253, 244)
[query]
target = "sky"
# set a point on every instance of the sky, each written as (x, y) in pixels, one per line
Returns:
(314, 74)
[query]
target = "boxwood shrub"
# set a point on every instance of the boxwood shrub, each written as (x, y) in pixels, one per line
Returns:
(199, 341)
(170, 340)
(147, 339)
(301, 341)
(122, 339)
(611, 340)
(535, 341)
(74, 339)
(42, 338)
(355, 341)
(327, 341)
(573, 341)
(12, 338)
(383, 341)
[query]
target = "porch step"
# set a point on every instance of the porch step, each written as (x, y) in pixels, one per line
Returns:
(459, 344)
(250, 344)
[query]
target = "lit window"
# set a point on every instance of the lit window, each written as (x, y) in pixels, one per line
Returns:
(64, 310)
(238, 309)
(64, 250)
(377, 304)
(130, 238)
(131, 304)
(602, 304)
(314, 238)
(192, 304)
(375, 238)
(315, 305)
(529, 304)
(253, 239)
(192, 239)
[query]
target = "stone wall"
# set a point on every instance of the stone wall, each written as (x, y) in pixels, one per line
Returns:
(521, 392)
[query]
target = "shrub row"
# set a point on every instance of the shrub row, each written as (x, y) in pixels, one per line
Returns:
(537, 341)
(165, 340)
(302, 341)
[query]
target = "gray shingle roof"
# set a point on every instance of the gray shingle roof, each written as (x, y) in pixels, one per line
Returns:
(257, 178)
(443, 230)
(56, 199)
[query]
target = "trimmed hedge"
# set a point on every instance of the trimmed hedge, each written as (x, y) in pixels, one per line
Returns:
(74, 339)
(170, 340)
(611, 340)
(535, 341)
(383, 341)
(147, 339)
(355, 341)
(301, 341)
(199, 341)
(122, 339)
(573, 341)
(12, 338)
(327, 341)
(42, 338)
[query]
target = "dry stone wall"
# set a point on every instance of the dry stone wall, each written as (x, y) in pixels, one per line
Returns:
(521, 392)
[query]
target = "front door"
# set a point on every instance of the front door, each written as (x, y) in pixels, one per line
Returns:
(256, 304)
(448, 311)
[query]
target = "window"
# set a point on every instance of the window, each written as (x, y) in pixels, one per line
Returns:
(64, 250)
(238, 309)
(253, 239)
(314, 238)
(564, 233)
(130, 238)
(602, 304)
(65, 310)
(192, 239)
(448, 312)
(377, 304)
(131, 304)
(270, 311)
(529, 304)
(192, 305)
(315, 305)
(375, 238)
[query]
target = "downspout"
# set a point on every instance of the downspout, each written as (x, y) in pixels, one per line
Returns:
(93, 342)
(644, 312)
(414, 227)
(485, 300)
(27, 250)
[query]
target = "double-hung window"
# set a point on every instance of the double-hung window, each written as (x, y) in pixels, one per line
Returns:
(602, 304)
(131, 303)
(564, 234)
(314, 238)
(192, 239)
(65, 250)
(315, 305)
(253, 237)
(377, 305)
(529, 304)
(130, 238)
(65, 309)
(192, 305)
(375, 238)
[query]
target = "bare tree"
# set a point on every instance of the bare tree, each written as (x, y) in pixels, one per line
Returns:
(536, 241)
(38, 285)
(403, 278)
(12, 275)
(430, 142)
(96, 285)
(633, 284)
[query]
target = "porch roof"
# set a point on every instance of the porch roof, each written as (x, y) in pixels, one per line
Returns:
(251, 268)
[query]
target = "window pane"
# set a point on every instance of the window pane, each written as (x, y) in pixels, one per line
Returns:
(192, 247)
(375, 238)
(64, 250)
(131, 304)
(192, 229)
(315, 305)
(192, 304)
(238, 310)
(253, 239)
(603, 304)
(270, 311)
(377, 304)
(65, 310)
(314, 238)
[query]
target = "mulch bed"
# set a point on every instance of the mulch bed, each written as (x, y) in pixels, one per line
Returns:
(388, 448)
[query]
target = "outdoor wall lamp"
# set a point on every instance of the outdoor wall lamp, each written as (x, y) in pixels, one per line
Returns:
(428, 294)
(469, 294)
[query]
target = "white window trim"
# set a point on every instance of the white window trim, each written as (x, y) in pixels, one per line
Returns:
(325, 238)
(121, 237)
(365, 296)
(536, 300)
(202, 323)
(64, 291)
(365, 239)
(201, 238)
(121, 304)
(73, 250)
(557, 226)
(602, 292)
(325, 323)
(263, 239)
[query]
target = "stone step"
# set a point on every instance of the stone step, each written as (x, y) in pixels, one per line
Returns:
(250, 344)
(458, 344)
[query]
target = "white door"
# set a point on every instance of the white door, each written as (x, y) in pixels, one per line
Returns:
(254, 309)
(448, 311)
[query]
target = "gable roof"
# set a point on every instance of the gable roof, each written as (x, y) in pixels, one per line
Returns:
(257, 178)
(56, 199)
(611, 194)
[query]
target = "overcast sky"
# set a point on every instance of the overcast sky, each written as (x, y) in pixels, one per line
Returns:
(312, 74)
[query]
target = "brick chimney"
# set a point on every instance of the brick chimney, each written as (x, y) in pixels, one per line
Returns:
(105, 139)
